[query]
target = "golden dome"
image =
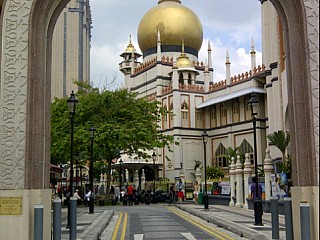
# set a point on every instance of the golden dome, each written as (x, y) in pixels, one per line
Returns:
(174, 22)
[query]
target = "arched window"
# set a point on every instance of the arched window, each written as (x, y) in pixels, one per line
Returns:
(181, 79)
(184, 114)
(220, 157)
(245, 147)
(189, 79)
(213, 116)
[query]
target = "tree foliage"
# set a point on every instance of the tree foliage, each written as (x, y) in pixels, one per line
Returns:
(123, 124)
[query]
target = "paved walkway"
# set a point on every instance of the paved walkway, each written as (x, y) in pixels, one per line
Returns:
(237, 220)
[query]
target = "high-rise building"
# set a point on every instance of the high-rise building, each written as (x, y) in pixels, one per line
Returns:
(71, 48)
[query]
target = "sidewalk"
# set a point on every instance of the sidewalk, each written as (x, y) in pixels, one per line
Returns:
(237, 220)
(89, 226)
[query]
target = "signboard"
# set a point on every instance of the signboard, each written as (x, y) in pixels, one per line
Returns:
(10, 205)
(225, 188)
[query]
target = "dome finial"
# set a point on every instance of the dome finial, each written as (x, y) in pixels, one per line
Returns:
(182, 46)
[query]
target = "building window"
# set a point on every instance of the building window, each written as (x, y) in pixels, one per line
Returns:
(213, 116)
(235, 111)
(184, 114)
(220, 157)
(245, 148)
(165, 117)
(171, 115)
(189, 79)
(181, 79)
(199, 119)
(223, 115)
(247, 109)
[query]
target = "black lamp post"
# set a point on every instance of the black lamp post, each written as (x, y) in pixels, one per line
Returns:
(254, 106)
(154, 170)
(120, 178)
(72, 105)
(205, 194)
(91, 203)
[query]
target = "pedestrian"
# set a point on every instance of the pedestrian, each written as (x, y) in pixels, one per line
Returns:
(117, 193)
(196, 191)
(130, 191)
(180, 188)
(172, 193)
(257, 207)
(79, 199)
(87, 197)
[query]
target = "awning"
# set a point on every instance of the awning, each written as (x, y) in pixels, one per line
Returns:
(230, 96)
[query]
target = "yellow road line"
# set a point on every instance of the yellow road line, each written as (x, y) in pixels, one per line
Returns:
(115, 233)
(124, 226)
(208, 229)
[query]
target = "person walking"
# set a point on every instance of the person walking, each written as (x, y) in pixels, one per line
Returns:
(130, 190)
(79, 199)
(196, 191)
(180, 188)
(255, 198)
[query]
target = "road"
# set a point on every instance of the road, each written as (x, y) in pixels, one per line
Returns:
(157, 221)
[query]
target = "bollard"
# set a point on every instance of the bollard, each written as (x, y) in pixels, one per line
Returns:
(38, 222)
(288, 218)
(57, 219)
(275, 218)
(305, 221)
(73, 218)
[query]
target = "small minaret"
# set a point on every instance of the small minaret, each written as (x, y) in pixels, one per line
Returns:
(159, 53)
(228, 70)
(210, 61)
(253, 55)
(206, 77)
(175, 76)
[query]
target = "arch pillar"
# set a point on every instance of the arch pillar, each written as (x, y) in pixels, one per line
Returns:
(26, 33)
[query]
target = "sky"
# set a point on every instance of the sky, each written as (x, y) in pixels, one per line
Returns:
(227, 24)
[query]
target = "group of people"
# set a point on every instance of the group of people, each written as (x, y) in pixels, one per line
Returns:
(178, 191)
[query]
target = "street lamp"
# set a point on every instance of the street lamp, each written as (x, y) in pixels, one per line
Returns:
(72, 103)
(205, 194)
(120, 178)
(154, 170)
(254, 106)
(91, 203)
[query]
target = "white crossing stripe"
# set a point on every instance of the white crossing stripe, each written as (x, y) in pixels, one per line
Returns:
(138, 237)
(188, 236)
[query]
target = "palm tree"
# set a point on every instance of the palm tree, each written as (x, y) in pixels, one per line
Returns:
(281, 141)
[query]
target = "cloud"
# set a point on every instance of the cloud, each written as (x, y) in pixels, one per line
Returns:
(228, 24)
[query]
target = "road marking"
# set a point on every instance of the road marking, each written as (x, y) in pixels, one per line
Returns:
(208, 229)
(138, 237)
(188, 236)
(115, 233)
(124, 226)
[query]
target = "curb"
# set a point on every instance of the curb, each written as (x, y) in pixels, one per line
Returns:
(230, 226)
(94, 231)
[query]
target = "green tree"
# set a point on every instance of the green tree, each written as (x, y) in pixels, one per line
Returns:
(214, 172)
(281, 141)
(123, 124)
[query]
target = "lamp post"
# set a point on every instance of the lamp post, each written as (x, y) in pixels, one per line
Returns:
(154, 170)
(254, 106)
(120, 178)
(91, 203)
(205, 194)
(72, 103)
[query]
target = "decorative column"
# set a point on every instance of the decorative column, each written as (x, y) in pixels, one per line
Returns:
(228, 70)
(232, 181)
(238, 172)
(136, 179)
(247, 174)
(268, 170)
(143, 180)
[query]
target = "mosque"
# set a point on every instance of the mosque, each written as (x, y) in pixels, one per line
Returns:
(170, 36)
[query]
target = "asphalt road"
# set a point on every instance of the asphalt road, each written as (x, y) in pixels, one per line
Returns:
(161, 221)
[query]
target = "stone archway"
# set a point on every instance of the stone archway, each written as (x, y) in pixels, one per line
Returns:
(26, 33)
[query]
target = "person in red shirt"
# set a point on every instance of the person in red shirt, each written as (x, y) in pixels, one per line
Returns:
(130, 190)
